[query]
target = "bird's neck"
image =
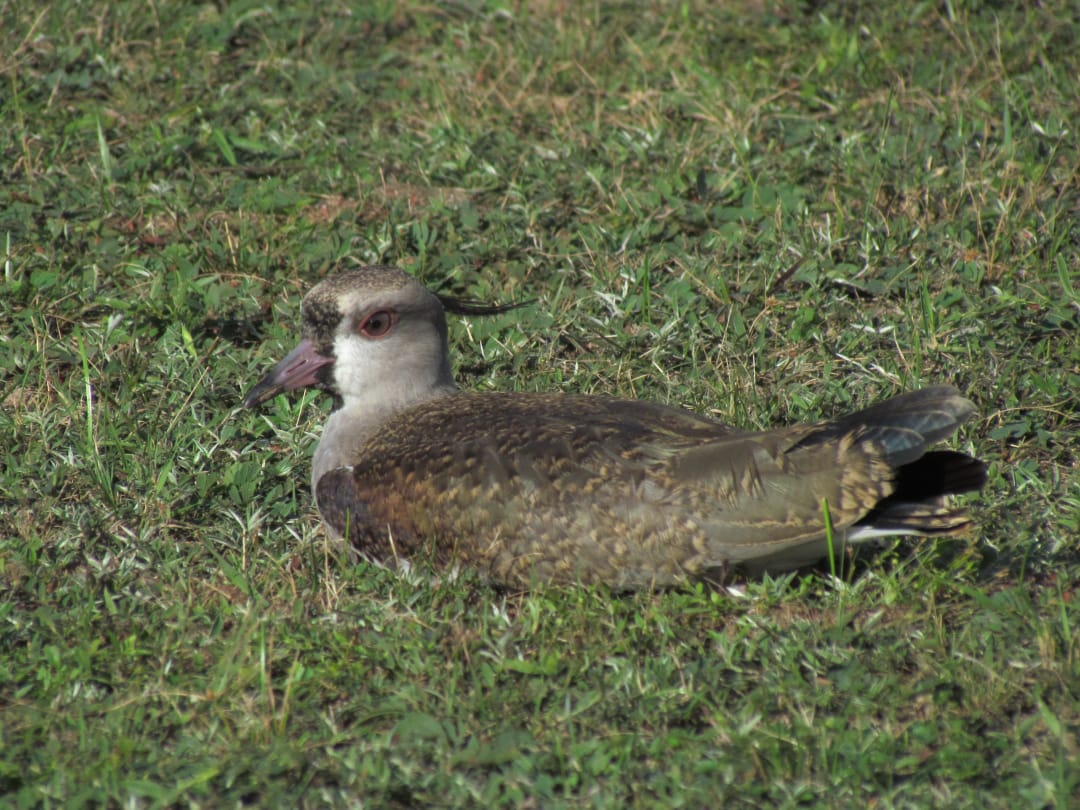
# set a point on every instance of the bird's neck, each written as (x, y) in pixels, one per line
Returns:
(359, 418)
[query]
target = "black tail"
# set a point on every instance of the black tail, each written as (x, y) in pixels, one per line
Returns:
(940, 472)
(906, 426)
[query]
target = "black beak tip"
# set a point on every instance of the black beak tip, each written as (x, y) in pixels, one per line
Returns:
(259, 394)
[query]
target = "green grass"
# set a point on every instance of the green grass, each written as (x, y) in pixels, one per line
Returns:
(765, 211)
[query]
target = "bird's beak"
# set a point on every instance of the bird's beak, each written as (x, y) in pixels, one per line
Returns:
(299, 369)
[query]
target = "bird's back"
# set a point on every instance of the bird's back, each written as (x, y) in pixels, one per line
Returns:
(549, 487)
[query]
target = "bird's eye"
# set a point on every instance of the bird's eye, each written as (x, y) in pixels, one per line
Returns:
(378, 323)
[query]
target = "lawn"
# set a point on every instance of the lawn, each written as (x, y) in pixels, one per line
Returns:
(765, 211)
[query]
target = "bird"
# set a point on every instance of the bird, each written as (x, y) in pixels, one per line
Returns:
(539, 489)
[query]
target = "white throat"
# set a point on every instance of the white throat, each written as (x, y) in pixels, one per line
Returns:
(377, 380)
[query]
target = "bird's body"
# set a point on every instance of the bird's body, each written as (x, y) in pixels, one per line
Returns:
(538, 488)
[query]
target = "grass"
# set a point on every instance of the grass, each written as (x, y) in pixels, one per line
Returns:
(765, 211)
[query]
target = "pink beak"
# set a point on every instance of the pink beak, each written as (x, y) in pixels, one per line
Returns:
(298, 370)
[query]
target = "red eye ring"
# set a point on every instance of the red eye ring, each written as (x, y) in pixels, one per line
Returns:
(378, 323)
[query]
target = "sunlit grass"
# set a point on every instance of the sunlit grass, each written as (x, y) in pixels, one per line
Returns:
(765, 212)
